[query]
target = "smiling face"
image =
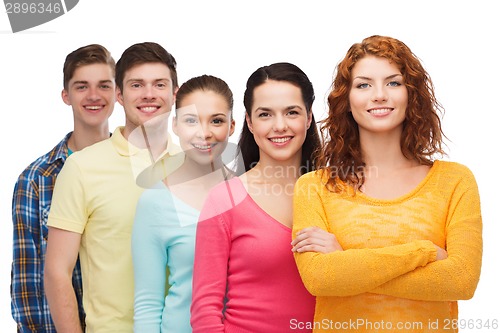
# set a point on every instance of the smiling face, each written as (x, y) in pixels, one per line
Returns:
(91, 94)
(378, 97)
(147, 92)
(203, 123)
(278, 122)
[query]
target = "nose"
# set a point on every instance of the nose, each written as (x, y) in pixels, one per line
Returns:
(148, 92)
(204, 132)
(379, 94)
(93, 94)
(280, 124)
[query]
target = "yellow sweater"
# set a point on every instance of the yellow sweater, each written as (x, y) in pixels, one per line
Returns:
(387, 278)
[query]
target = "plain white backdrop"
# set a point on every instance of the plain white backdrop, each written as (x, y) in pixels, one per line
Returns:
(457, 42)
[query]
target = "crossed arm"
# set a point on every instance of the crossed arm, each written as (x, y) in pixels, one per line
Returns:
(417, 270)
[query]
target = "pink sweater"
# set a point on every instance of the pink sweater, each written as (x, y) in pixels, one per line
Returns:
(239, 247)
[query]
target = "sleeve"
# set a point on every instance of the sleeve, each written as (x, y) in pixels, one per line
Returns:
(210, 271)
(456, 277)
(352, 271)
(149, 255)
(26, 274)
(69, 209)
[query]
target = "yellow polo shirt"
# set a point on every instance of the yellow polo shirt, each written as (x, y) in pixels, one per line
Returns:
(96, 195)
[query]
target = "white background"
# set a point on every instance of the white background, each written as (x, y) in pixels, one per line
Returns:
(456, 40)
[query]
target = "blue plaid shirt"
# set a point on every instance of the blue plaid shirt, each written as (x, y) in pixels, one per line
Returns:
(30, 209)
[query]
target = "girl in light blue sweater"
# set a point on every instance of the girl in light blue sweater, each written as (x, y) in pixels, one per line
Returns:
(164, 229)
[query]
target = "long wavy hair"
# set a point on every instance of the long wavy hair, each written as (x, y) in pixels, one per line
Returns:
(286, 72)
(422, 136)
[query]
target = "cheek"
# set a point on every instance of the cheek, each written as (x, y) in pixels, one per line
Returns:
(355, 101)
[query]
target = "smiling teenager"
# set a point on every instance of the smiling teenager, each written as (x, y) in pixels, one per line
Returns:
(408, 225)
(164, 231)
(95, 198)
(88, 87)
(245, 278)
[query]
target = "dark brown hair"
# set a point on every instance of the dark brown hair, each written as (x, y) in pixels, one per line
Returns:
(86, 55)
(249, 150)
(142, 53)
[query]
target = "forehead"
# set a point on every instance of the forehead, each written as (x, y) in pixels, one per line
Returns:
(148, 71)
(97, 71)
(373, 66)
(202, 101)
(277, 94)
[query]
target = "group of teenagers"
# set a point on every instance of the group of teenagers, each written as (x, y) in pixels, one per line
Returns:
(354, 223)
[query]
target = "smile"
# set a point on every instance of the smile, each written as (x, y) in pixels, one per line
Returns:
(281, 140)
(380, 112)
(93, 107)
(204, 146)
(148, 109)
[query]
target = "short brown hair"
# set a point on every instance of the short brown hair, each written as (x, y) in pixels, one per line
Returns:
(142, 53)
(86, 55)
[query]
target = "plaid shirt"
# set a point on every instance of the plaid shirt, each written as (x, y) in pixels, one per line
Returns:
(30, 209)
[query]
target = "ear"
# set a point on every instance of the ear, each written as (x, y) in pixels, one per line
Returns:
(231, 129)
(175, 95)
(174, 126)
(119, 95)
(309, 119)
(249, 122)
(65, 97)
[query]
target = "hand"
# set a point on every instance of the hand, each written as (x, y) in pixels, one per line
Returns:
(441, 253)
(314, 239)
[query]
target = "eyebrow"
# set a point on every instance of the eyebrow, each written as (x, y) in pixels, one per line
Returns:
(196, 115)
(387, 78)
(86, 82)
(142, 80)
(291, 107)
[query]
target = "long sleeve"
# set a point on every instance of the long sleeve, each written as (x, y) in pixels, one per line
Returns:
(352, 271)
(149, 257)
(210, 271)
(27, 283)
(457, 276)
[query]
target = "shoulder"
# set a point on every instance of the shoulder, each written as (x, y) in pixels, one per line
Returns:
(453, 170)
(48, 164)
(154, 195)
(224, 197)
(316, 179)
(453, 176)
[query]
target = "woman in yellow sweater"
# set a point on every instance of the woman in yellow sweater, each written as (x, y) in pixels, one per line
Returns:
(407, 228)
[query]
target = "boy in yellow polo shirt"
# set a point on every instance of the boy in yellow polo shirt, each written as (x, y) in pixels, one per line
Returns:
(96, 194)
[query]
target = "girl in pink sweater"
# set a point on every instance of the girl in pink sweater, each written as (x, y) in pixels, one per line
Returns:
(245, 278)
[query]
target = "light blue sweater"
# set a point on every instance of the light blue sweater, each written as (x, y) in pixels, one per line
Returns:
(163, 240)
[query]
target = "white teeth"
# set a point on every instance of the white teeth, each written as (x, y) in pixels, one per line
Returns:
(280, 140)
(148, 109)
(203, 147)
(380, 111)
(97, 107)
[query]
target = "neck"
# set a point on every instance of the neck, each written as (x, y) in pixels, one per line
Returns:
(203, 174)
(273, 171)
(383, 153)
(152, 137)
(86, 136)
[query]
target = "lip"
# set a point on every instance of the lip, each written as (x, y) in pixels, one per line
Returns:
(148, 108)
(380, 111)
(281, 140)
(204, 146)
(94, 108)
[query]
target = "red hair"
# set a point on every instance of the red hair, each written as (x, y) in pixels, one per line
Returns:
(422, 135)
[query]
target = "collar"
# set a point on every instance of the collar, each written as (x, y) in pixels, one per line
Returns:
(60, 151)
